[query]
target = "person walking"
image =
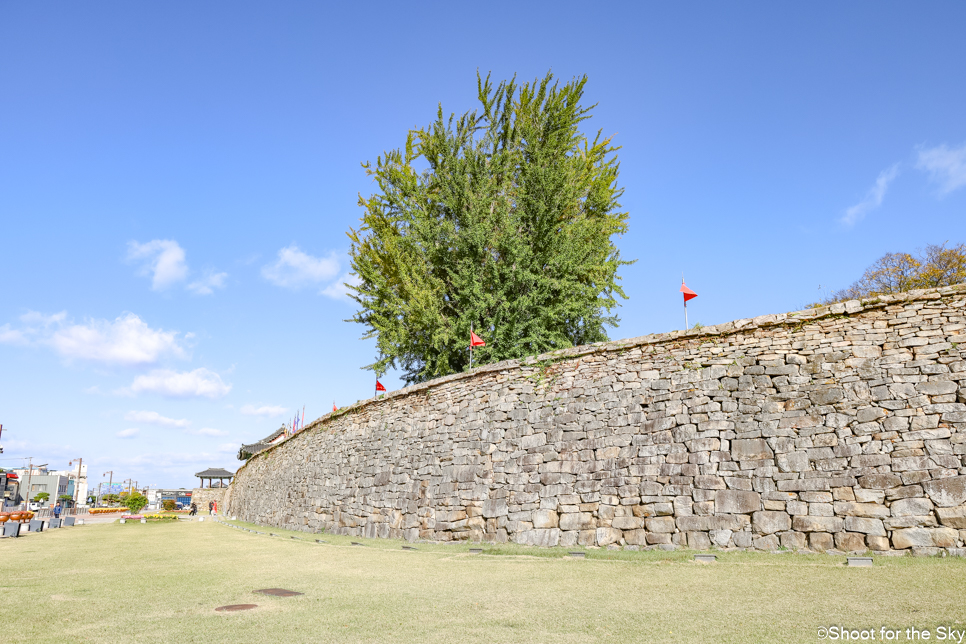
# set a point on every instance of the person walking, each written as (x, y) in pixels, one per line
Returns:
(57, 510)
(214, 509)
(211, 507)
(194, 510)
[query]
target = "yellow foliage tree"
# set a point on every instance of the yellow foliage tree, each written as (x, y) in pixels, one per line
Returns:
(935, 266)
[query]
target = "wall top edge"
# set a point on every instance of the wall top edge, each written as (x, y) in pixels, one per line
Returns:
(795, 318)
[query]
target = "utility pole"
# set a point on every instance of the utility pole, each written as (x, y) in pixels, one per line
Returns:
(110, 484)
(1, 436)
(80, 463)
(30, 471)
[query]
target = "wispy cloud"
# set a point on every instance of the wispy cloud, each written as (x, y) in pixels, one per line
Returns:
(10, 335)
(208, 431)
(338, 289)
(200, 383)
(295, 269)
(128, 433)
(126, 341)
(162, 259)
(155, 418)
(873, 199)
(945, 166)
(208, 283)
(265, 410)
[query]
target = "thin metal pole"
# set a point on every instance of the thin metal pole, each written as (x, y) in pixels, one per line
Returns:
(471, 345)
(686, 327)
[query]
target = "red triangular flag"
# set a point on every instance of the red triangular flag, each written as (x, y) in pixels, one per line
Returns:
(334, 408)
(379, 386)
(688, 293)
(476, 341)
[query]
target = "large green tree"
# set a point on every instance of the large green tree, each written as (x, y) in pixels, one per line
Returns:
(503, 219)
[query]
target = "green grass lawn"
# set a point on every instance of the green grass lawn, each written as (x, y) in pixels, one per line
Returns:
(160, 582)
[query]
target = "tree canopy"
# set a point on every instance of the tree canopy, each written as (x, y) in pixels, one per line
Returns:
(502, 219)
(935, 266)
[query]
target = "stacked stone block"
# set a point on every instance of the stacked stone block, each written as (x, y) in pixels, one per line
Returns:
(840, 427)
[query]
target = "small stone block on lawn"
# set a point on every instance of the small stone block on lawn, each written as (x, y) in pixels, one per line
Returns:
(408, 548)
(476, 551)
(704, 558)
(860, 561)
(577, 555)
(233, 607)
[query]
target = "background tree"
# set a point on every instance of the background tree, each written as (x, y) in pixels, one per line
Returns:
(935, 266)
(110, 499)
(135, 502)
(41, 497)
(169, 504)
(502, 219)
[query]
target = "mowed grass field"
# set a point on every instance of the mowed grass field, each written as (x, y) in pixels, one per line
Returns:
(162, 582)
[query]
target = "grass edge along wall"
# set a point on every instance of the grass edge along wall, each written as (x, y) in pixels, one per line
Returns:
(837, 427)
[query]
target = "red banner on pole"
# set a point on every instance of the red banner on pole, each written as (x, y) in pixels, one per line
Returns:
(476, 341)
(688, 293)
(379, 386)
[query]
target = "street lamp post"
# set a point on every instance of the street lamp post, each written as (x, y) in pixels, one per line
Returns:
(80, 463)
(110, 483)
(30, 471)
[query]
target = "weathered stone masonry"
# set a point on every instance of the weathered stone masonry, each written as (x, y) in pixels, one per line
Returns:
(839, 427)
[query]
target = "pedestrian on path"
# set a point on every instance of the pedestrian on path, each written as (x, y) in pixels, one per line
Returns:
(194, 510)
(57, 510)
(211, 507)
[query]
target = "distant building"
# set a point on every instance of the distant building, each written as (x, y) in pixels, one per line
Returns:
(9, 489)
(181, 495)
(40, 479)
(247, 451)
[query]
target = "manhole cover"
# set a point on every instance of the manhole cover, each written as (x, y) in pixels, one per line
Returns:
(278, 592)
(234, 607)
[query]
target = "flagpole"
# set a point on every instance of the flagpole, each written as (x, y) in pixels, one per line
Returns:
(685, 305)
(471, 345)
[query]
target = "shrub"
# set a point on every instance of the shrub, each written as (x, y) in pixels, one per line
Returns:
(136, 501)
(169, 505)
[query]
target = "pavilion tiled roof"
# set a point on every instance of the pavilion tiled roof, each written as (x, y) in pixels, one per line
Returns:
(215, 473)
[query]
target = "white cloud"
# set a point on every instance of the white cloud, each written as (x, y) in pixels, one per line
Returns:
(11, 336)
(125, 341)
(163, 259)
(338, 289)
(295, 269)
(128, 433)
(265, 410)
(208, 431)
(873, 199)
(200, 382)
(34, 317)
(207, 284)
(946, 167)
(228, 447)
(155, 418)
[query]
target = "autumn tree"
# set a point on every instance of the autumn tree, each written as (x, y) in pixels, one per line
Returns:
(934, 266)
(503, 219)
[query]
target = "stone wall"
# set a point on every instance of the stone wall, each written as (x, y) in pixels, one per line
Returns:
(840, 427)
(201, 497)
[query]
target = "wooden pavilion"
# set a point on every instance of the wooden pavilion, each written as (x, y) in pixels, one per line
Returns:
(215, 473)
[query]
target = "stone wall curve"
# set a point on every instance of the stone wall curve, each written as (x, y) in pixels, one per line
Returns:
(838, 427)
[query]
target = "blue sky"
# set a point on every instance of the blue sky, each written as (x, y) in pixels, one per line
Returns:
(176, 182)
